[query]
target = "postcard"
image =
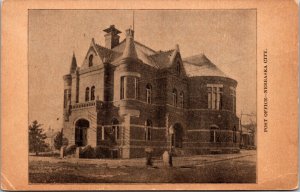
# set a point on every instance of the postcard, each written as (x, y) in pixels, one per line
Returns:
(137, 95)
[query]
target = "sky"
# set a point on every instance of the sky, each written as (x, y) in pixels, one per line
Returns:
(226, 37)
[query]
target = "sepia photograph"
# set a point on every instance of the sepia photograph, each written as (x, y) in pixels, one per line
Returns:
(142, 96)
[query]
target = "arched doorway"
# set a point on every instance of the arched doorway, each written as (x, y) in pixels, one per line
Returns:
(81, 132)
(177, 135)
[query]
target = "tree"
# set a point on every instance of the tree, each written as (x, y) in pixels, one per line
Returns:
(59, 140)
(37, 138)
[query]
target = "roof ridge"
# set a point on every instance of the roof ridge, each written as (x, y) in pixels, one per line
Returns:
(105, 48)
(162, 52)
(201, 54)
(144, 46)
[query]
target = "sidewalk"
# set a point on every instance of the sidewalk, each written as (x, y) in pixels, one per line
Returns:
(188, 161)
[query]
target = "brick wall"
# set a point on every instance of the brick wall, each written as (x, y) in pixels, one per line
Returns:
(195, 117)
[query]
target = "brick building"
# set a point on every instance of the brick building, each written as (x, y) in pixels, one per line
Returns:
(127, 96)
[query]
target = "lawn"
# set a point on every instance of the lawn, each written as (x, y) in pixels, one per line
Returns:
(242, 170)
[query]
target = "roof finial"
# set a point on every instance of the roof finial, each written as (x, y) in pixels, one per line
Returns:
(133, 20)
(129, 50)
(177, 47)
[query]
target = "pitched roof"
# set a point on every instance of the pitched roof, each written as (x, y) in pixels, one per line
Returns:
(200, 65)
(197, 65)
(107, 55)
(163, 58)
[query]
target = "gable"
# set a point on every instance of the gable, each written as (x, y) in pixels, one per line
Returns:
(91, 59)
(177, 67)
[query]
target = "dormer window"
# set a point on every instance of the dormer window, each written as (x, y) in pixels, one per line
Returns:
(91, 57)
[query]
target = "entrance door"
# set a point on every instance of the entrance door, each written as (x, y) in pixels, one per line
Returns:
(81, 127)
(177, 136)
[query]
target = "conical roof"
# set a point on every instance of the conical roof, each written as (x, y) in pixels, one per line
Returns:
(73, 64)
(129, 51)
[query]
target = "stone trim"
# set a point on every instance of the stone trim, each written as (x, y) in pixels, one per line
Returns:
(214, 85)
(90, 69)
(132, 125)
(203, 142)
(142, 147)
(208, 130)
(149, 141)
(144, 126)
(135, 74)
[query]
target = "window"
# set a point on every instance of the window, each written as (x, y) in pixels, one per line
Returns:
(77, 94)
(234, 140)
(115, 128)
(87, 93)
(100, 132)
(215, 96)
(214, 134)
(91, 57)
(178, 68)
(174, 94)
(233, 96)
(65, 98)
(93, 93)
(181, 96)
(148, 130)
(122, 88)
(149, 93)
(136, 86)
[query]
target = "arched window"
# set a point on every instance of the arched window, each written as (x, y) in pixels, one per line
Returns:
(174, 93)
(91, 57)
(87, 94)
(115, 129)
(148, 128)
(149, 93)
(181, 96)
(214, 134)
(93, 93)
(178, 68)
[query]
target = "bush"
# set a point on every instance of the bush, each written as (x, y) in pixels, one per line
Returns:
(69, 150)
(60, 141)
(102, 152)
(87, 152)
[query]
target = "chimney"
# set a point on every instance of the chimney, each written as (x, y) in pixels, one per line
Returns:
(111, 37)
